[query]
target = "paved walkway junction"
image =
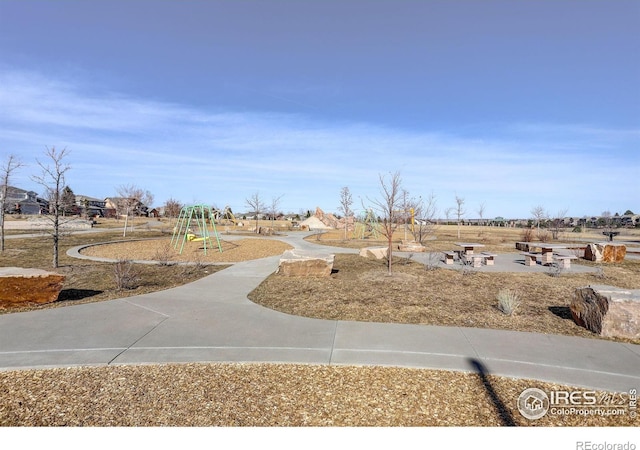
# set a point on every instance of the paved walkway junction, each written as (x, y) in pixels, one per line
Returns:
(211, 320)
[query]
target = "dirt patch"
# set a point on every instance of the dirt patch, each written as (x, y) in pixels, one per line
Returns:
(163, 250)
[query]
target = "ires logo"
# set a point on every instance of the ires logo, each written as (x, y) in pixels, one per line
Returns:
(534, 403)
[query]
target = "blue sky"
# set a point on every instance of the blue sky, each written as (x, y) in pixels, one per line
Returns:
(510, 104)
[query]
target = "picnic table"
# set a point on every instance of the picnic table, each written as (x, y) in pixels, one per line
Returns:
(469, 247)
(547, 251)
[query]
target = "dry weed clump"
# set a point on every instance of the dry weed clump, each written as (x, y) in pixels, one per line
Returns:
(125, 275)
(508, 301)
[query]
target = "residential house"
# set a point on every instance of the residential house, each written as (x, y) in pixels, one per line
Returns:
(91, 207)
(20, 201)
(117, 206)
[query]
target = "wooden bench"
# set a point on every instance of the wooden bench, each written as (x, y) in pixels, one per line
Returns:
(531, 259)
(489, 258)
(449, 257)
(565, 260)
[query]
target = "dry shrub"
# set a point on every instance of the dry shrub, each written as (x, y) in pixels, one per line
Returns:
(543, 235)
(125, 275)
(555, 270)
(164, 254)
(527, 235)
(508, 301)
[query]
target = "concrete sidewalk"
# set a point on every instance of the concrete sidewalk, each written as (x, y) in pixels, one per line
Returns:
(211, 320)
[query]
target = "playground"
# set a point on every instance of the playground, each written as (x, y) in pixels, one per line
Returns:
(294, 395)
(234, 249)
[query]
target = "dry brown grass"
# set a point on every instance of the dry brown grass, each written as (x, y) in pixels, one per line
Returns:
(90, 281)
(360, 289)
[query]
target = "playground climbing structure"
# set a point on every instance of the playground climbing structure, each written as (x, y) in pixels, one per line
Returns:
(367, 225)
(192, 226)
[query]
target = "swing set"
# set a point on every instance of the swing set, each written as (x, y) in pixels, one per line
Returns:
(195, 216)
(366, 225)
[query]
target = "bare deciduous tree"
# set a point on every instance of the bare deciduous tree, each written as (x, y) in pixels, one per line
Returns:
(459, 211)
(132, 199)
(256, 205)
(52, 178)
(172, 208)
(10, 165)
(387, 206)
(346, 200)
(481, 216)
(424, 212)
(273, 210)
(558, 224)
(540, 214)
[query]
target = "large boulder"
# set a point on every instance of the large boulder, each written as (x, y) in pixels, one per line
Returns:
(376, 252)
(607, 310)
(411, 246)
(605, 252)
(18, 285)
(305, 263)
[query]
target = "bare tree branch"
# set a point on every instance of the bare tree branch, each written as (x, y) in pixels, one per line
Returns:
(459, 211)
(10, 165)
(387, 205)
(346, 200)
(256, 205)
(132, 199)
(52, 179)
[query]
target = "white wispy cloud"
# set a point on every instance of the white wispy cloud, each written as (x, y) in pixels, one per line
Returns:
(223, 157)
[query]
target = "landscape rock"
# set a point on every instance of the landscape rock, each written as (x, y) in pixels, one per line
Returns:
(607, 310)
(301, 263)
(376, 252)
(605, 252)
(18, 285)
(411, 246)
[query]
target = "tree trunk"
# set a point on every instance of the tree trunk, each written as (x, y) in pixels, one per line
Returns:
(2, 227)
(390, 254)
(56, 240)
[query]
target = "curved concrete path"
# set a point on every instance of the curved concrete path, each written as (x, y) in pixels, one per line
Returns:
(211, 320)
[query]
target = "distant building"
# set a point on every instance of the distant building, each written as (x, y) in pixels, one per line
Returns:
(20, 201)
(91, 207)
(117, 206)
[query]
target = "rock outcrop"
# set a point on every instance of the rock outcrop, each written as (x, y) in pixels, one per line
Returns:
(301, 263)
(321, 220)
(605, 252)
(376, 252)
(19, 285)
(411, 246)
(607, 310)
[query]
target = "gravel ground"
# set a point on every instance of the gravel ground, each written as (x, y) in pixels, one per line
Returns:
(268, 395)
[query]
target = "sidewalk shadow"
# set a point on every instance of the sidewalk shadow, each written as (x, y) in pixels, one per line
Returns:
(503, 413)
